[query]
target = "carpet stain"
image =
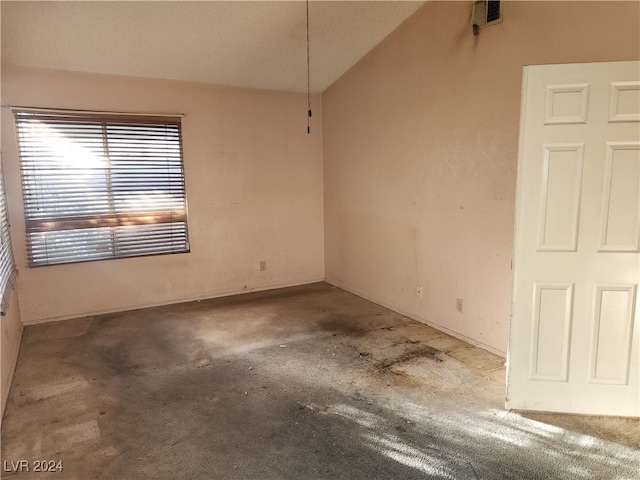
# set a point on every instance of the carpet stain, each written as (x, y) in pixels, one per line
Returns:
(424, 351)
(202, 361)
(357, 392)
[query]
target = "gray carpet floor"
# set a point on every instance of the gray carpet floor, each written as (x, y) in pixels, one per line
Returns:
(303, 383)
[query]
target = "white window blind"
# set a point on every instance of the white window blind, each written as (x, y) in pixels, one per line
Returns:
(100, 186)
(7, 266)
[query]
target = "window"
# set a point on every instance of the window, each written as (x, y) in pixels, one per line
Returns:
(101, 186)
(7, 267)
(493, 11)
(486, 12)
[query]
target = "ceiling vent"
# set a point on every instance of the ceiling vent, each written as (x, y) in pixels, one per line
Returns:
(485, 13)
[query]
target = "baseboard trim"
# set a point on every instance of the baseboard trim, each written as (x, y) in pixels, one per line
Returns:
(417, 318)
(228, 293)
(12, 370)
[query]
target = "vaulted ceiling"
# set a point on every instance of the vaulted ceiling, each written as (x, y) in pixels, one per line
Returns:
(259, 44)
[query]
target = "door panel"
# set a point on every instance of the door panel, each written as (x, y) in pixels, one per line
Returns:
(612, 334)
(551, 332)
(561, 194)
(575, 332)
(620, 217)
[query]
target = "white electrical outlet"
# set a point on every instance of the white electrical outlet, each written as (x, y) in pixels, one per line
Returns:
(459, 305)
(419, 291)
(263, 266)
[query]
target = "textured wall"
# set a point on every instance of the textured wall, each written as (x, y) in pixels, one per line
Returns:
(254, 189)
(420, 152)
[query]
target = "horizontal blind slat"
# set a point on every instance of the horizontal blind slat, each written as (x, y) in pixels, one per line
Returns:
(7, 265)
(101, 186)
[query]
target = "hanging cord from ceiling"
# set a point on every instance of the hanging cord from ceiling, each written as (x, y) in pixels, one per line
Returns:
(309, 113)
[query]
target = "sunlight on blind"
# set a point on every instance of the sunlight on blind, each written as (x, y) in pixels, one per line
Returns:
(98, 187)
(7, 266)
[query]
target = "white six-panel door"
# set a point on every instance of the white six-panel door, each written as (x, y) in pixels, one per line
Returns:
(575, 328)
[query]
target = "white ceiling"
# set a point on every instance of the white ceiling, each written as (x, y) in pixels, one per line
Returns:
(260, 44)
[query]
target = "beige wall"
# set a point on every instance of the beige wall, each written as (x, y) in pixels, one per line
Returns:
(10, 330)
(254, 188)
(420, 151)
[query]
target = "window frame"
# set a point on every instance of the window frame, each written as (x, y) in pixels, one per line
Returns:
(8, 271)
(123, 197)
